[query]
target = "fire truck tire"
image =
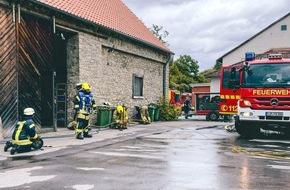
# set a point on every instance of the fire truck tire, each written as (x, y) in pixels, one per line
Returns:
(227, 117)
(213, 116)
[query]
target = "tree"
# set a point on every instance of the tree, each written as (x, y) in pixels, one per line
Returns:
(202, 76)
(217, 66)
(187, 66)
(183, 72)
(160, 33)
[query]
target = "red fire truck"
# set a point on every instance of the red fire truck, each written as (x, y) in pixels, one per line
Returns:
(258, 93)
(177, 98)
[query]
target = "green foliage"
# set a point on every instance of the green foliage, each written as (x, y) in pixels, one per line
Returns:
(188, 66)
(217, 66)
(183, 71)
(202, 76)
(168, 112)
(159, 33)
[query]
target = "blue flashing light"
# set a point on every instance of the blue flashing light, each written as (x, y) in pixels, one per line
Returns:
(250, 56)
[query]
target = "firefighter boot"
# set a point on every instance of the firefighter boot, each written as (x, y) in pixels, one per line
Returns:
(87, 135)
(7, 146)
(80, 136)
(14, 149)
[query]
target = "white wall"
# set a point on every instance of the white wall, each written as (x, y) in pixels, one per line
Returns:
(271, 38)
(215, 84)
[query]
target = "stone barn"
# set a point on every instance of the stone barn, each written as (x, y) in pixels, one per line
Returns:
(47, 47)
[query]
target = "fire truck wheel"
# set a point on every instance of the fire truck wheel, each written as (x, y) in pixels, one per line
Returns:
(213, 116)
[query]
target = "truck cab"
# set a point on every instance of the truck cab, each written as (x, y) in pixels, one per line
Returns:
(263, 88)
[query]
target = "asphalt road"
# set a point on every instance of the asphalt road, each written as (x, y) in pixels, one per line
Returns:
(191, 154)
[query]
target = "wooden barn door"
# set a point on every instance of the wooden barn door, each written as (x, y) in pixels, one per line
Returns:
(8, 71)
(36, 68)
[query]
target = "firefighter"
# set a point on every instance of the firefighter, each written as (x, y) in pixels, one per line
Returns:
(145, 115)
(24, 133)
(187, 106)
(120, 117)
(84, 103)
(72, 125)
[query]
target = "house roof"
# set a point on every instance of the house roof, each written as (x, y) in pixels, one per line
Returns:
(111, 14)
(253, 36)
(284, 51)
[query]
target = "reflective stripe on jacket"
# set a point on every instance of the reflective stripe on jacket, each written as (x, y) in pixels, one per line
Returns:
(23, 132)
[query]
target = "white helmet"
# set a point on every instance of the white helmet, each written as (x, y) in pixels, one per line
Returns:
(28, 111)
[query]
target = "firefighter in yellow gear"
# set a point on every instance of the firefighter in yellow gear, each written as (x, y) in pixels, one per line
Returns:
(84, 103)
(24, 133)
(145, 115)
(120, 117)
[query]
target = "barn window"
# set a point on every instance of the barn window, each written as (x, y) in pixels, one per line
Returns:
(137, 86)
(283, 27)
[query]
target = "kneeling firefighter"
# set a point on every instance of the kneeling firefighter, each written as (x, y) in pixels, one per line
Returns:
(24, 135)
(84, 103)
(145, 115)
(120, 117)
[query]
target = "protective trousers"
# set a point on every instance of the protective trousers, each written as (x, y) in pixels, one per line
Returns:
(82, 127)
(145, 115)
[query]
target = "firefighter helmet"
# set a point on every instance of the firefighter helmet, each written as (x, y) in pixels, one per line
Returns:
(28, 111)
(86, 86)
(120, 109)
(78, 86)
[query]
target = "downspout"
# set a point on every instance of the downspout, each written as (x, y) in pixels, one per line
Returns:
(170, 56)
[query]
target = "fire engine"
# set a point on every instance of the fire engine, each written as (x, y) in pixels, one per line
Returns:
(177, 98)
(203, 103)
(258, 93)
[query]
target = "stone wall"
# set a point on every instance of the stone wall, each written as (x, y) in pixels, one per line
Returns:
(108, 65)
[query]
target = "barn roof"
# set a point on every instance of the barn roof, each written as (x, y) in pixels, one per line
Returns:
(112, 14)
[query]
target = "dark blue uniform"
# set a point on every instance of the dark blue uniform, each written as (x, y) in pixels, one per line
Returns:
(83, 104)
(23, 133)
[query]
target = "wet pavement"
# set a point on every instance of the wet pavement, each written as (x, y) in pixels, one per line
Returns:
(184, 155)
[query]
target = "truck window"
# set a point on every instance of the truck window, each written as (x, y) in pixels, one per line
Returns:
(226, 80)
(268, 75)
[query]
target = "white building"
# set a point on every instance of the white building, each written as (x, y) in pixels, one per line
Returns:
(274, 38)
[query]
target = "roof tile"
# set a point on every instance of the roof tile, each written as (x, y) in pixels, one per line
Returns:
(113, 14)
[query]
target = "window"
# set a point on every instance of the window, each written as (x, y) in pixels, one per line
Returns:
(137, 86)
(228, 82)
(283, 27)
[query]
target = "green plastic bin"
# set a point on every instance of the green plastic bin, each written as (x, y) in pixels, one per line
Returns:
(112, 110)
(151, 110)
(156, 114)
(103, 116)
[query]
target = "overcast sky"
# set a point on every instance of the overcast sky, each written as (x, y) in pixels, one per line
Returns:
(207, 29)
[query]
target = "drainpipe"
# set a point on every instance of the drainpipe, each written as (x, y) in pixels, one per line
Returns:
(170, 56)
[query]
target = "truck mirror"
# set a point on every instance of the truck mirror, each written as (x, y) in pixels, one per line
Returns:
(233, 73)
(233, 83)
(250, 72)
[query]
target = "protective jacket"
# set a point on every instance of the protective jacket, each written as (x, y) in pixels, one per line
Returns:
(120, 116)
(24, 131)
(84, 103)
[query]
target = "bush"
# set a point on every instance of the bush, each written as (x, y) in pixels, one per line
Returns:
(168, 112)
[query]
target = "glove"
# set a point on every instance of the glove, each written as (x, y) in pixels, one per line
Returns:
(35, 139)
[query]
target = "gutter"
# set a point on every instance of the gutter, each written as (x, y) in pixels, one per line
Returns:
(170, 57)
